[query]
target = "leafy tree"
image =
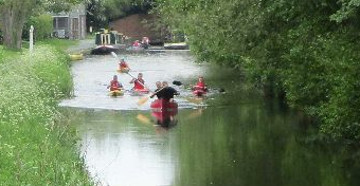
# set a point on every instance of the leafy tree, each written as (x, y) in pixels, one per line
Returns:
(304, 51)
(15, 12)
(100, 12)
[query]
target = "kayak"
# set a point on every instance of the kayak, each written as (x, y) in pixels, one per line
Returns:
(199, 92)
(123, 70)
(161, 105)
(140, 91)
(164, 112)
(116, 93)
(75, 57)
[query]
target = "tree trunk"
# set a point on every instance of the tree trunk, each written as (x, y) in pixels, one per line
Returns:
(13, 15)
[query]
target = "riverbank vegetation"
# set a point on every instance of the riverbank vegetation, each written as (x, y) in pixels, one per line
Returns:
(35, 147)
(305, 52)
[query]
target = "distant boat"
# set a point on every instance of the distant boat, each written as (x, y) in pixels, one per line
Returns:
(176, 46)
(106, 43)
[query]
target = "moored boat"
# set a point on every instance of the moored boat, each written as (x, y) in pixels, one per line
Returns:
(104, 49)
(176, 46)
(106, 42)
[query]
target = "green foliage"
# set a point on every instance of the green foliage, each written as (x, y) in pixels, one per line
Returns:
(43, 26)
(14, 14)
(58, 5)
(34, 147)
(101, 12)
(292, 48)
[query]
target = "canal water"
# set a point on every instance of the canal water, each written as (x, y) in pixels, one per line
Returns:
(231, 138)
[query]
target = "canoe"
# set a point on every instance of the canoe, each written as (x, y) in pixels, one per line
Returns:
(161, 105)
(116, 93)
(123, 70)
(75, 57)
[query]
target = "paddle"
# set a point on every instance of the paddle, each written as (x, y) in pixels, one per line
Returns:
(143, 119)
(143, 99)
(146, 98)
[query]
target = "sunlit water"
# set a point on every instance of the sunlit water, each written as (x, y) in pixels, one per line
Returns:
(238, 138)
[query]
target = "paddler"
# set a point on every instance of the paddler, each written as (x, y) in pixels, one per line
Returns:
(157, 91)
(138, 82)
(115, 84)
(123, 64)
(167, 92)
(136, 43)
(200, 85)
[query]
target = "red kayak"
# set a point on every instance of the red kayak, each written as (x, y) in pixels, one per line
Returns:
(161, 105)
(140, 91)
(199, 92)
(164, 111)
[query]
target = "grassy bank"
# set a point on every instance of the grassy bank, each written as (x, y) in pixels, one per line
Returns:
(35, 147)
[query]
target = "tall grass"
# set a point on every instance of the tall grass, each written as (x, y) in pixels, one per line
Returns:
(35, 148)
(61, 44)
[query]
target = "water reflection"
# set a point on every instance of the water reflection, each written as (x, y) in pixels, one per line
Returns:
(238, 139)
(118, 150)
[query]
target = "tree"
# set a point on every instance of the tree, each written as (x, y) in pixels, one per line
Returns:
(15, 12)
(13, 15)
(100, 12)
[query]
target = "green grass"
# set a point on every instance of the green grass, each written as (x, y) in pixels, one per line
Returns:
(61, 44)
(37, 146)
(5, 54)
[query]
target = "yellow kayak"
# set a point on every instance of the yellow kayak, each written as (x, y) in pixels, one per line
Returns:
(75, 57)
(123, 70)
(116, 93)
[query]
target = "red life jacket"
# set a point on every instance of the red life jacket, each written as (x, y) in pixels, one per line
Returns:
(114, 85)
(200, 84)
(137, 85)
(123, 65)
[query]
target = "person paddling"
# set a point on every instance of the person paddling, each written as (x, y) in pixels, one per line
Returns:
(115, 84)
(138, 83)
(167, 93)
(200, 88)
(157, 92)
(200, 85)
(123, 64)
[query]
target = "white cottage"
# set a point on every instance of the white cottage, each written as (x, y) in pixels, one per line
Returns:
(71, 24)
